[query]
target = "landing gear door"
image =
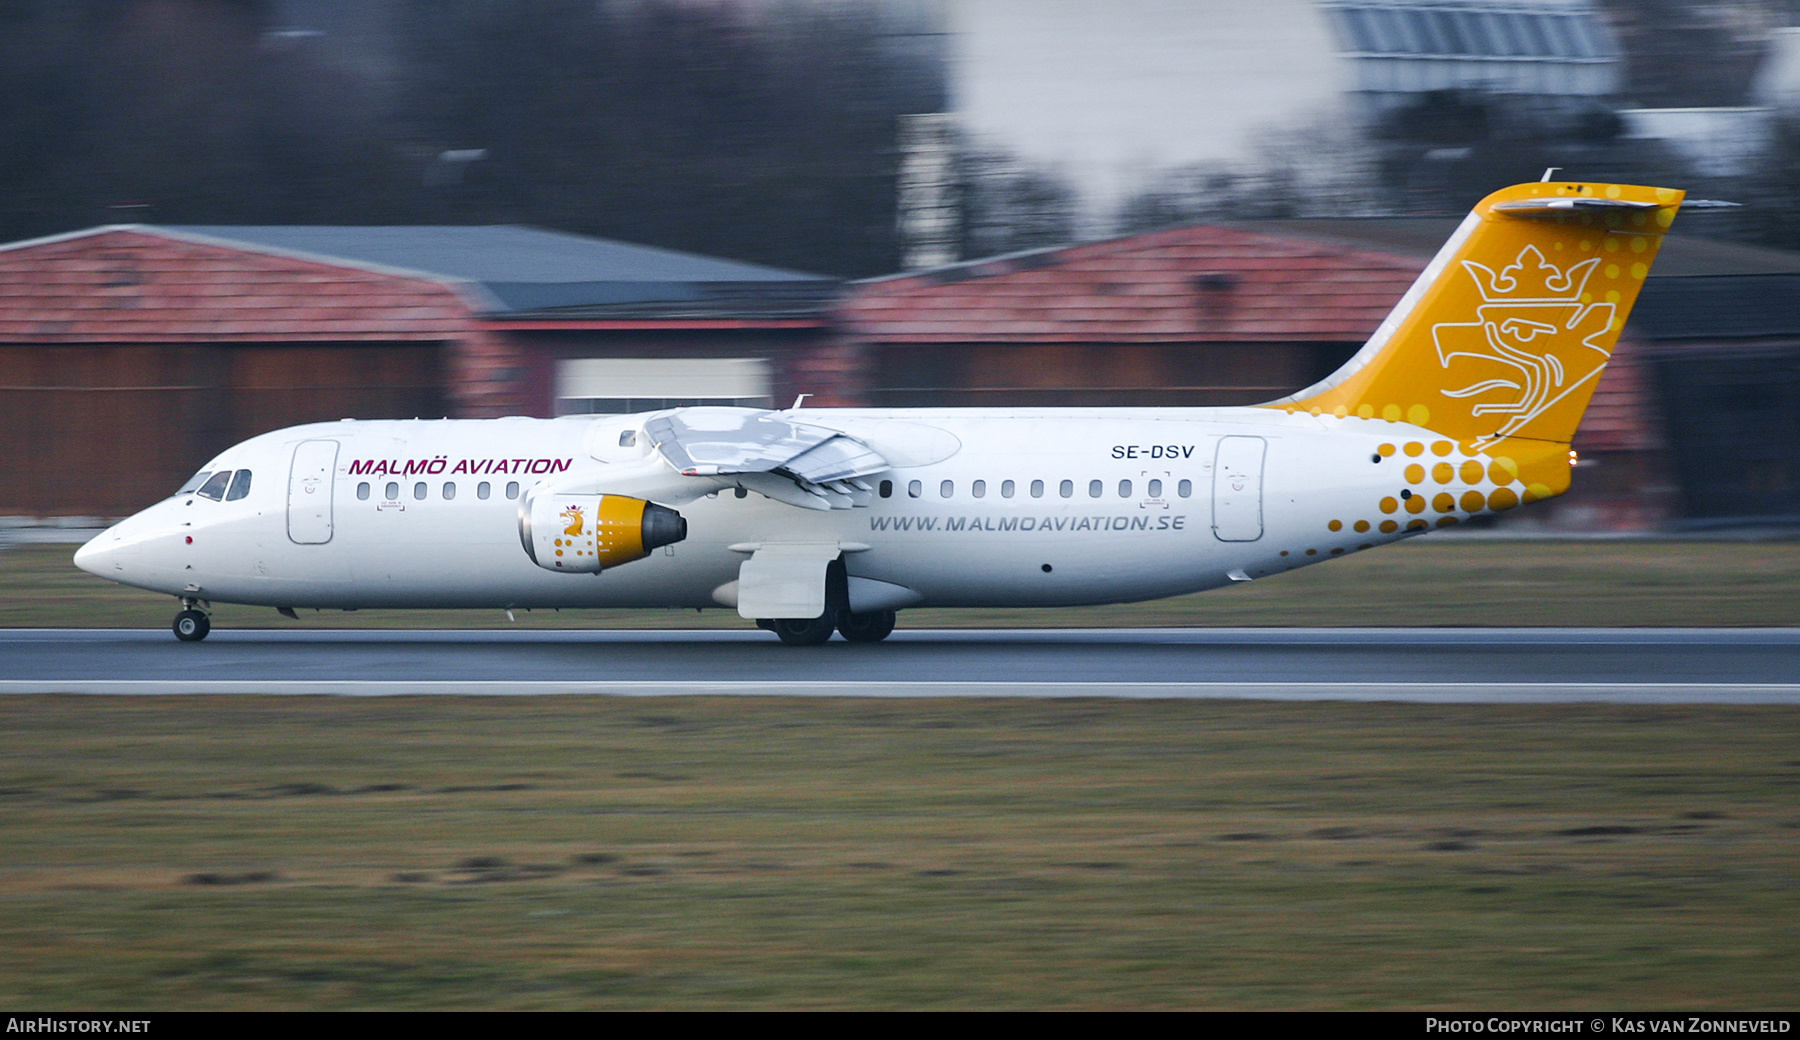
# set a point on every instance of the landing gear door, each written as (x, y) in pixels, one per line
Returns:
(785, 581)
(309, 492)
(1237, 489)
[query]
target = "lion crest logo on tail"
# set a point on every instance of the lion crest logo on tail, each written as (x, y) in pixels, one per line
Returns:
(1533, 341)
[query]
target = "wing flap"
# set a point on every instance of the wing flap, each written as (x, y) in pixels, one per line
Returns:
(792, 462)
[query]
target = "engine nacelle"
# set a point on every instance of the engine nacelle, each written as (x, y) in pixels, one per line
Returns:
(589, 533)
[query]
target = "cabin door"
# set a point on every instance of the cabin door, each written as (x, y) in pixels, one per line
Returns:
(309, 492)
(1237, 489)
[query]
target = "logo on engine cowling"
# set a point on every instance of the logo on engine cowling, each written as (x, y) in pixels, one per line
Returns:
(573, 520)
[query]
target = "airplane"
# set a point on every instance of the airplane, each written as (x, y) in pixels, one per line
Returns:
(815, 521)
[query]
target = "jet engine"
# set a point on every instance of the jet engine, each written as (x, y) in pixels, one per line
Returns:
(589, 533)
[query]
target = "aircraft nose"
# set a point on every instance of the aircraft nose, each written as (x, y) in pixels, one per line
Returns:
(96, 557)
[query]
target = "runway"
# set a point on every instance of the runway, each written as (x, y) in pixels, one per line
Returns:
(1522, 665)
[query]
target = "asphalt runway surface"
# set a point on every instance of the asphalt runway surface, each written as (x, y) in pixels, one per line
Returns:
(1513, 665)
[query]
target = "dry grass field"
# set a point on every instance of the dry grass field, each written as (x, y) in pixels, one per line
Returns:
(165, 853)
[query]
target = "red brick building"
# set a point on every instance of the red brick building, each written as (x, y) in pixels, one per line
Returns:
(129, 355)
(1184, 317)
(1245, 313)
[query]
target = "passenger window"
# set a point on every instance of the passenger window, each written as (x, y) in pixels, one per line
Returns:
(1006, 489)
(419, 491)
(215, 486)
(1185, 488)
(628, 438)
(978, 489)
(240, 485)
(449, 490)
(512, 489)
(483, 489)
(1095, 487)
(887, 489)
(362, 491)
(1037, 489)
(193, 482)
(1066, 489)
(1124, 489)
(393, 492)
(914, 489)
(1155, 489)
(947, 488)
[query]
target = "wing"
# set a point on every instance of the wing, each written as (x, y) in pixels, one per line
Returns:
(767, 452)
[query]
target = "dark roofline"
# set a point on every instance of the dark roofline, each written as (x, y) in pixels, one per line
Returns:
(774, 305)
(1718, 307)
(719, 289)
(964, 270)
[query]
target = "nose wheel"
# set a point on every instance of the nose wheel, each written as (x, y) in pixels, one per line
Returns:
(191, 625)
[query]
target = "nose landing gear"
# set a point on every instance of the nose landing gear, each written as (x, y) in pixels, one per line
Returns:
(192, 624)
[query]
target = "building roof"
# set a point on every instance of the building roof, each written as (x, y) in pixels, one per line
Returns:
(1682, 255)
(125, 285)
(1287, 280)
(1192, 284)
(519, 272)
(1699, 289)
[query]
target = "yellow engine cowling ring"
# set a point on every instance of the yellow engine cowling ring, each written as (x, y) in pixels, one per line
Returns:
(586, 534)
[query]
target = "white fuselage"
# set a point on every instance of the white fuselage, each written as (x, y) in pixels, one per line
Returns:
(1187, 499)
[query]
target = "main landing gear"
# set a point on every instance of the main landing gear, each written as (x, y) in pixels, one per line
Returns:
(192, 624)
(872, 627)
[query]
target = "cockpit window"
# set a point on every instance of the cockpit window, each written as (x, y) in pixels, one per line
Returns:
(215, 486)
(194, 481)
(240, 486)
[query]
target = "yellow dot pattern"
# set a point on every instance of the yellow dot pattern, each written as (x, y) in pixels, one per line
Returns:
(1451, 482)
(1474, 484)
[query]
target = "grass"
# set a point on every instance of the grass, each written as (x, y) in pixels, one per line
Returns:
(1446, 582)
(231, 852)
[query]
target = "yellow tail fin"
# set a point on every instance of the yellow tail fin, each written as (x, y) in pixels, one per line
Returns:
(1501, 341)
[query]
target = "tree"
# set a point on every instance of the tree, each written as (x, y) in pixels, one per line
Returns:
(1009, 205)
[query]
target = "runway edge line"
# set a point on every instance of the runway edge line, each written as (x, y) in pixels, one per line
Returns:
(1424, 692)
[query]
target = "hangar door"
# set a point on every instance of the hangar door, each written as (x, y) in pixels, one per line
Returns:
(620, 385)
(107, 429)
